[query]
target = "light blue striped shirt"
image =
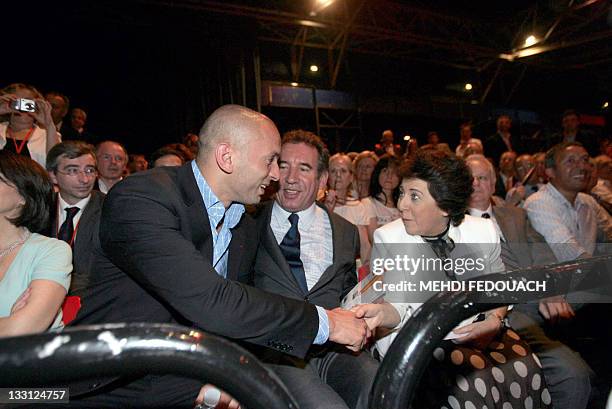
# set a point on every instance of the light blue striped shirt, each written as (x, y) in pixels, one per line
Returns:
(216, 213)
(221, 240)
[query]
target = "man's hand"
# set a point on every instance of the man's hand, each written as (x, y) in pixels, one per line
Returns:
(212, 397)
(555, 309)
(22, 301)
(346, 329)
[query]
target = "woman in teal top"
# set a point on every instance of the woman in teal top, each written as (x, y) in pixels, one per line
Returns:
(34, 270)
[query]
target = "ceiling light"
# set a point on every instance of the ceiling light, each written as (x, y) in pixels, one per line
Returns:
(314, 68)
(294, 84)
(407, 137)
(531, 40)
(468, 87)
(605, 105)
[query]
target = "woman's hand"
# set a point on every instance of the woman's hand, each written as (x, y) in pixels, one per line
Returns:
(42, 115)
(5, 104)
(377, 315)
(330, 200)
(481, 333)
(212, 397)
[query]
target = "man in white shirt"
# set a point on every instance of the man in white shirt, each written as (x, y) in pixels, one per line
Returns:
(567, 375)
(308, 253)
(571, 222)
(76, 214)
(112, 162)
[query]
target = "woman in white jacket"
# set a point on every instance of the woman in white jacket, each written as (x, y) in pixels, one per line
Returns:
(485, 364)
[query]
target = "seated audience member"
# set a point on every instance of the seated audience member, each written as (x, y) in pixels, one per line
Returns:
(26, 133)
(466, 140)
(570, 221)
(522, 247)
(539, 158)
(166, 156)
(485, 355)
(307, 252)
(507, 174)
(59, 107)
(526, 180)
(342, 199)
(75, 213)
(364, 164)
(433, 142)
(112, 163)
(137, 163)
(176, 247)
(191, 142)
(75, 130)
(386, 145)
(602, 191)
(384, 189)
(34, 270)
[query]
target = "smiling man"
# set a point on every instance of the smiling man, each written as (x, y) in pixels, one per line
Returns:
(570, 221)
(176, 247)
(308, 253)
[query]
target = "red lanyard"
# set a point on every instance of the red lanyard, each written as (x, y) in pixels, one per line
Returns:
(19, 148)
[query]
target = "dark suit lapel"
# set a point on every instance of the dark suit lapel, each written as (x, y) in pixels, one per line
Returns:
(236, 247)
(201, 235)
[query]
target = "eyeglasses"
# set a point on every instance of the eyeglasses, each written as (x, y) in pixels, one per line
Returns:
(90, 172)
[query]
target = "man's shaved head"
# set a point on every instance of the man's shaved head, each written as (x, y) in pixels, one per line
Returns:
(233, 124)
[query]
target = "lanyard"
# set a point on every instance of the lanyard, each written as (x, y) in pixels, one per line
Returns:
(19, 148)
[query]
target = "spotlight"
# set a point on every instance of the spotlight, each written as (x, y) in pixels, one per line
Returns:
(314, 68)
(468, 87)
(294, 84)
(605, 105)
(531, 40)
(407, 137)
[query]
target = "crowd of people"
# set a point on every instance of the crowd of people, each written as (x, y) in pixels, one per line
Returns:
(91, 235)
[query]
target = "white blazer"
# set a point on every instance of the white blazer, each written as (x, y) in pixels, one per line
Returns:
(472, 230)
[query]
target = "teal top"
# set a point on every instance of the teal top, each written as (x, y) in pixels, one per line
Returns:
(40, 258)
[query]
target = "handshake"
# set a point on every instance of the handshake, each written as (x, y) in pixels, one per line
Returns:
(353, 328)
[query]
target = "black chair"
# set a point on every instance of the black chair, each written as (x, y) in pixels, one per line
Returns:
(124, 349)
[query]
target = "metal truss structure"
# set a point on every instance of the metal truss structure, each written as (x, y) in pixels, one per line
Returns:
(574, 34)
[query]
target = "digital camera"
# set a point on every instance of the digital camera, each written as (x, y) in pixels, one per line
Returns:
(24, 105)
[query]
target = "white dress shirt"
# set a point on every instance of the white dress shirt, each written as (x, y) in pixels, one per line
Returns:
(489, 211)
(570, 230)
(316, 244)
(61, 212)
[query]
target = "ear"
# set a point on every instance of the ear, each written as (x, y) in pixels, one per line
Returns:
(53, 177)
(323, 180)
(224, 156)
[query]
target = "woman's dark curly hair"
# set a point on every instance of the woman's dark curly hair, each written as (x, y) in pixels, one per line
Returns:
(448, 178)
(385, 161)
(33, 184)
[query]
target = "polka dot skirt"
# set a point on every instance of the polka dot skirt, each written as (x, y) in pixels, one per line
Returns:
(505, 375)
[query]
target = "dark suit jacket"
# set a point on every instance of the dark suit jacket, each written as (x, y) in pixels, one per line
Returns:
(86, 239)
(528, 246)
(272, 272)
(153, 264)
(494, 146)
